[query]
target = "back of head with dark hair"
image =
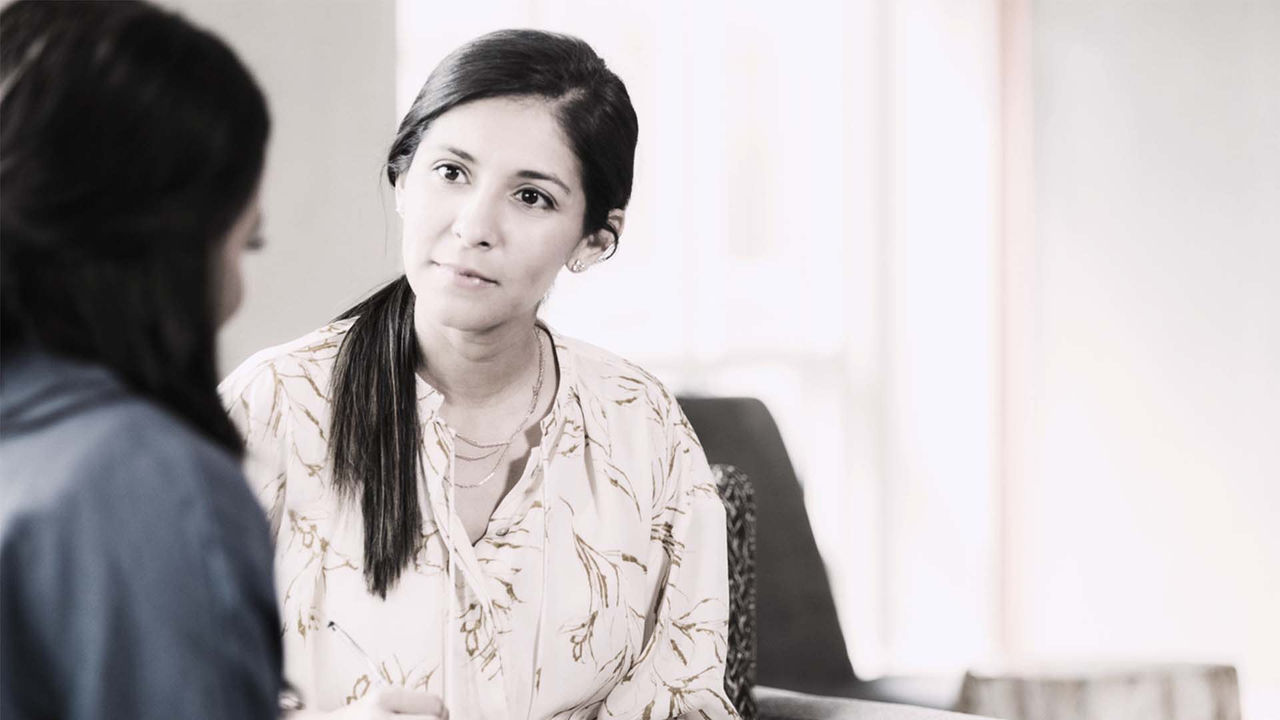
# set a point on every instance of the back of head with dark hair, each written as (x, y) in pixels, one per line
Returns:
(375, 453)
(130, 141)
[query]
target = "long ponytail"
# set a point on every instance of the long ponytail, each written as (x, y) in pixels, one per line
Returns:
(374, 434)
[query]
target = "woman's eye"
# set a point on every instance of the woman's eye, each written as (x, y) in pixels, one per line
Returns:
(449, 172)
(534, 198)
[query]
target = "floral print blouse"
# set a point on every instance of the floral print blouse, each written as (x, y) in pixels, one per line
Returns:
(598, 590)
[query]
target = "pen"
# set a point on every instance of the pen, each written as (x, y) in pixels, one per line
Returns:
(376, 674)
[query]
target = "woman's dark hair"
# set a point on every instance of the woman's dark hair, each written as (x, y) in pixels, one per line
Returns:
(130, 142)
(375, 436)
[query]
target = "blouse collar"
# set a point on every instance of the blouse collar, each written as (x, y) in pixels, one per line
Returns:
(430, 398)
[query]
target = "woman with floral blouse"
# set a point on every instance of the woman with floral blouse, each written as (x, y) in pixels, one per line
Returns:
(473, 513)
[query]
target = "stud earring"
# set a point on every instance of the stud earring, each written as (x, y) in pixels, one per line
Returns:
(577, 266)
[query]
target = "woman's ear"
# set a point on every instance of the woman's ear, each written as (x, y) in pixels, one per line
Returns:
(399, 190)
(617, 219)
(599, 245)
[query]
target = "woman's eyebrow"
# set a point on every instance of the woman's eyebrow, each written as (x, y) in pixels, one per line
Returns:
(535, 175)
(460, 153)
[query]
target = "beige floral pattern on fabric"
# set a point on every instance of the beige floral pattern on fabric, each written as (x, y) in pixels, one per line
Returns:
(599, 590)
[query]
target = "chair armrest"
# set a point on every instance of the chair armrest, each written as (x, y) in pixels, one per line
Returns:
(941, 692)
(776, 704)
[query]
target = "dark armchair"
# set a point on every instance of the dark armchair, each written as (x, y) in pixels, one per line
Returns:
(784, 635)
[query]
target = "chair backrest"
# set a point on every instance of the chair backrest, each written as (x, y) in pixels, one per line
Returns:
(800, 646)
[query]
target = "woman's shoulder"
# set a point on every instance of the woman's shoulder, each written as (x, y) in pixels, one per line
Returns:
(592, 363)
(132, 498)
(89, 436)
(309, 358)
(625, 386)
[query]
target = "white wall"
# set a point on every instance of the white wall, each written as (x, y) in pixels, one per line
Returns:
(1146, 525)
(328, 70)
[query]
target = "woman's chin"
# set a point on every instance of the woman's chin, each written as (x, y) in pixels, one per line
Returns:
(467, 313)
(464, 317)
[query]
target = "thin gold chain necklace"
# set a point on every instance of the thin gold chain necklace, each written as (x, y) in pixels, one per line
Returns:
(500, 448)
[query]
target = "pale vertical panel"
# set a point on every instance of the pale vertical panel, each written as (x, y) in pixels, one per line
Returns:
(1018, 308)
(942, 402)
(860, 490)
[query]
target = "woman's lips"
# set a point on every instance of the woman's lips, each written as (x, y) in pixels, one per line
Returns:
(464, 276)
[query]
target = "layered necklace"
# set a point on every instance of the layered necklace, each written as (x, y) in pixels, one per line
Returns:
(499, 449)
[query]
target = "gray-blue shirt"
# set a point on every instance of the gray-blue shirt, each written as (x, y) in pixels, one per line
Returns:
(135, 565)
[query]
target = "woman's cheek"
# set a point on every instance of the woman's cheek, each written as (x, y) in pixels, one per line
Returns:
(416, 248)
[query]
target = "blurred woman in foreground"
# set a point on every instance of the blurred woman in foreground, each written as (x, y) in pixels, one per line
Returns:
(135, 566)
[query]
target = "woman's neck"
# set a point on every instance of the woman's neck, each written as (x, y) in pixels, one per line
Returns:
(478, 369)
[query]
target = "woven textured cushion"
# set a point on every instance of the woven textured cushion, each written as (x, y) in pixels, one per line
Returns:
(740, 516)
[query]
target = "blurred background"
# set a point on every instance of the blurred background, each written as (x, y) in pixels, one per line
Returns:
(1006, 272)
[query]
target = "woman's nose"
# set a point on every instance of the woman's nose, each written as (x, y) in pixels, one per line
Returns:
(476, 224)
